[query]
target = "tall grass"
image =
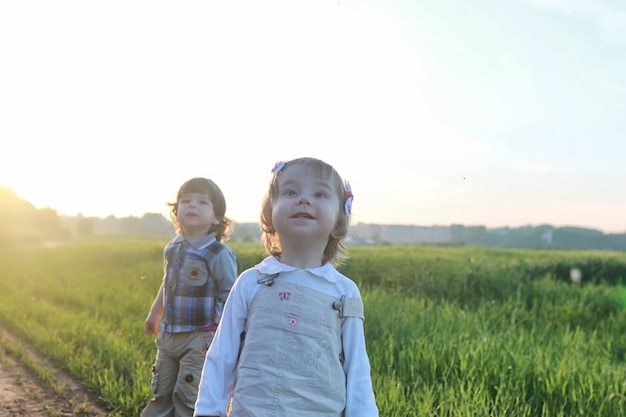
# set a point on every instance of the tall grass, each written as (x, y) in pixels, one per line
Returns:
(499, 359)
(450, 331)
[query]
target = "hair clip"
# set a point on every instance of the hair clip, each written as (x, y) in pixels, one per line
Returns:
(348, 205)
(277, 167)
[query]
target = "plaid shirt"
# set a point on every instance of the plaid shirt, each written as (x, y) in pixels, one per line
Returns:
(197, 281)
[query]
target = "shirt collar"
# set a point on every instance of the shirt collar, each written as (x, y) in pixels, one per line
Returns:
(200, 243)
(271, 265)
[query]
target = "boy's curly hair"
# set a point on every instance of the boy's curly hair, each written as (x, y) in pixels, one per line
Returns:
(205, 186)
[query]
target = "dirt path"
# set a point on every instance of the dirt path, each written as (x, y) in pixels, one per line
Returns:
(22, 395)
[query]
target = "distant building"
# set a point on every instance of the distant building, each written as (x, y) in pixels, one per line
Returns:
(365, 234)
(399, 234)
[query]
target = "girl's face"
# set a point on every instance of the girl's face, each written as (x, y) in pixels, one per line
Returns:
(306, 206)
(195, 214)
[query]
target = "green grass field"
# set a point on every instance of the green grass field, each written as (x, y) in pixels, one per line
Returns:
(461, 331)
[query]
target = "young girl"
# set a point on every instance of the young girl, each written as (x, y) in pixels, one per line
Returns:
(291, 341)
(199, 273)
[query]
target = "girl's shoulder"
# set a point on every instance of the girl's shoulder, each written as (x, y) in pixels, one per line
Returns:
(245, 285)
(350, 287)
(250, 274)
(342, 281)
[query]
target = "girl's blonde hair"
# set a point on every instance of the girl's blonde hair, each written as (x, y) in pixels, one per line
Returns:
(336, 251)
(209, 188)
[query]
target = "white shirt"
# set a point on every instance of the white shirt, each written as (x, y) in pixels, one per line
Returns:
(218, 375)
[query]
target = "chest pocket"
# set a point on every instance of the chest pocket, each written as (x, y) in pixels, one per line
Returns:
(195, 273)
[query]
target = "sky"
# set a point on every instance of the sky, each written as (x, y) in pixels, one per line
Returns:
(482, 113)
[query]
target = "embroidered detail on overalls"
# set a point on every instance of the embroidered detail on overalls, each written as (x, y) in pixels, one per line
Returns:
(315, 354)
(284, 296)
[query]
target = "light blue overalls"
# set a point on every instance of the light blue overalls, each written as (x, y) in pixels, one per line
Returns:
(291, 363)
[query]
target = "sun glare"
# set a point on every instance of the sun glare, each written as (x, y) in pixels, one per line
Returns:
(105, 141)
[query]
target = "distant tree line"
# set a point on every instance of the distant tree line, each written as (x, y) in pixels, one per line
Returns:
(22, 223)
(544, 236)
(150, 224)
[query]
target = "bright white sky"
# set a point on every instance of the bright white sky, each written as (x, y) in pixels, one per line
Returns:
(483, 112)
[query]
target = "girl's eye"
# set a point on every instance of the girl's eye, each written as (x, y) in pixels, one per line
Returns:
(321, 195)
(289, 193)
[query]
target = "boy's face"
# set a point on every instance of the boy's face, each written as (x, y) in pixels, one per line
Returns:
(306, 205)
(195, 214)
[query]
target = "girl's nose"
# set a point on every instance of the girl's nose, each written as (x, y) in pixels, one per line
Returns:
(303, 200)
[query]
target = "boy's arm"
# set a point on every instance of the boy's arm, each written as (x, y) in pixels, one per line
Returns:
(151, 325)
(224, 271)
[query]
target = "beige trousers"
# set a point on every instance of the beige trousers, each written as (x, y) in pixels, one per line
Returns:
(176, 373)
